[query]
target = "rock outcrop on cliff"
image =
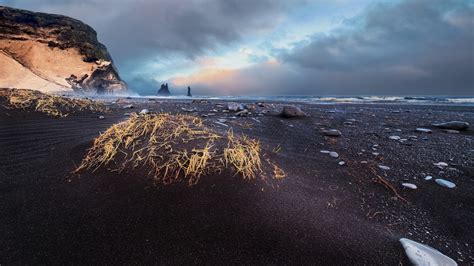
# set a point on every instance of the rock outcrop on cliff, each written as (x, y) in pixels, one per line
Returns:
(53, 53)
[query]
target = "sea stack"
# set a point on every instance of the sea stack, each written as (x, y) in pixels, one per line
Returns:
(189, 92)
(53, 53)
(164, 89)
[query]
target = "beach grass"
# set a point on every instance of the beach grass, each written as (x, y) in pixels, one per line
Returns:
(53, 105)
(175, 147)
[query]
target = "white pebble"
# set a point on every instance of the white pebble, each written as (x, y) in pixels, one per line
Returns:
(420, 254)
(445, 183)
(428, 177)
(324, 151)
(334, 154)
(383, 167)
(440, 164)
(409, 185)
(341, 163)
(394, 137)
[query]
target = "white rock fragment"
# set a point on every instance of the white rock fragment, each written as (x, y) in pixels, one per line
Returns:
(423, 255)
(101, 117)
(440, 164)
(394, 137)
(423, 130)
(383, 167)
(409, 185)
(341, 163)
(363, 162)
(445, 183)
(144, 111)
(324, 151)
(375, 153)
(428, 177)
(334, 154)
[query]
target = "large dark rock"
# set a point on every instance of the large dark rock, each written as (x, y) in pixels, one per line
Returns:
(453, 125)
(291, 111)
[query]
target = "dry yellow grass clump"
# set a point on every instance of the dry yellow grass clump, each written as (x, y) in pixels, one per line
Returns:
(172, 147)
(50, 104)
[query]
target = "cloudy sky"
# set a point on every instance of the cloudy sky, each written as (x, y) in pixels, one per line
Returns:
(284, 47)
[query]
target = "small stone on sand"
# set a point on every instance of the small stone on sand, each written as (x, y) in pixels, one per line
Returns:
(341, 163)
(394, 137)
(101, 117)
(440, 164)
(428, 177)
(420, 254)
(383, 167)
(409, 185)
(423, 130)
(332, 133)
(334, 154)
(324, 151)
(445, 183)
(452, 131)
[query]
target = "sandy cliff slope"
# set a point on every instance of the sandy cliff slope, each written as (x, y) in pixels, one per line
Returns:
(53, 53)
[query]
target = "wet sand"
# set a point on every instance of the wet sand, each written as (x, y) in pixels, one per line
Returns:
(321, 213)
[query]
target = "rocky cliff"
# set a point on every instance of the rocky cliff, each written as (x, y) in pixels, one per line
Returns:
(53, 53)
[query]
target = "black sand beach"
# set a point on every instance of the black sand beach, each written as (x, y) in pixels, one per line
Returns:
(322, 213)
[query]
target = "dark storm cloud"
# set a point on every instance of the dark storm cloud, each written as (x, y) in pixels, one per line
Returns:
(142, 29)
(414, 47)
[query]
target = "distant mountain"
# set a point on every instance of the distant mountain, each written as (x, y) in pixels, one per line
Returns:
(53, 53)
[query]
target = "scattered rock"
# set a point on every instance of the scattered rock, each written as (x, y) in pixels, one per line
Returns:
(341, 163)
(383, 167)
(409, 185)
(420, 254)
(144, 111)
(454, 125)
(101, 117)
(445, 183)
(428, 177)
(423, 130)
(440, 164)
(290, 111)
(324, 151)
(222, 120)
(332, 133)
(452, 131)
(243, 113)
(128, 106)
(375, 153)
(394, 137)
(234, 107)
(334, 154)
(363, 162)
(188, 110)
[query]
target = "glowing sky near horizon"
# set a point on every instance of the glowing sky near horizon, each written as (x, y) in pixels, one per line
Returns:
(278, 47)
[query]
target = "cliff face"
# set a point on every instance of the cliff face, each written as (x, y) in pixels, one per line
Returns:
(53, 53)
